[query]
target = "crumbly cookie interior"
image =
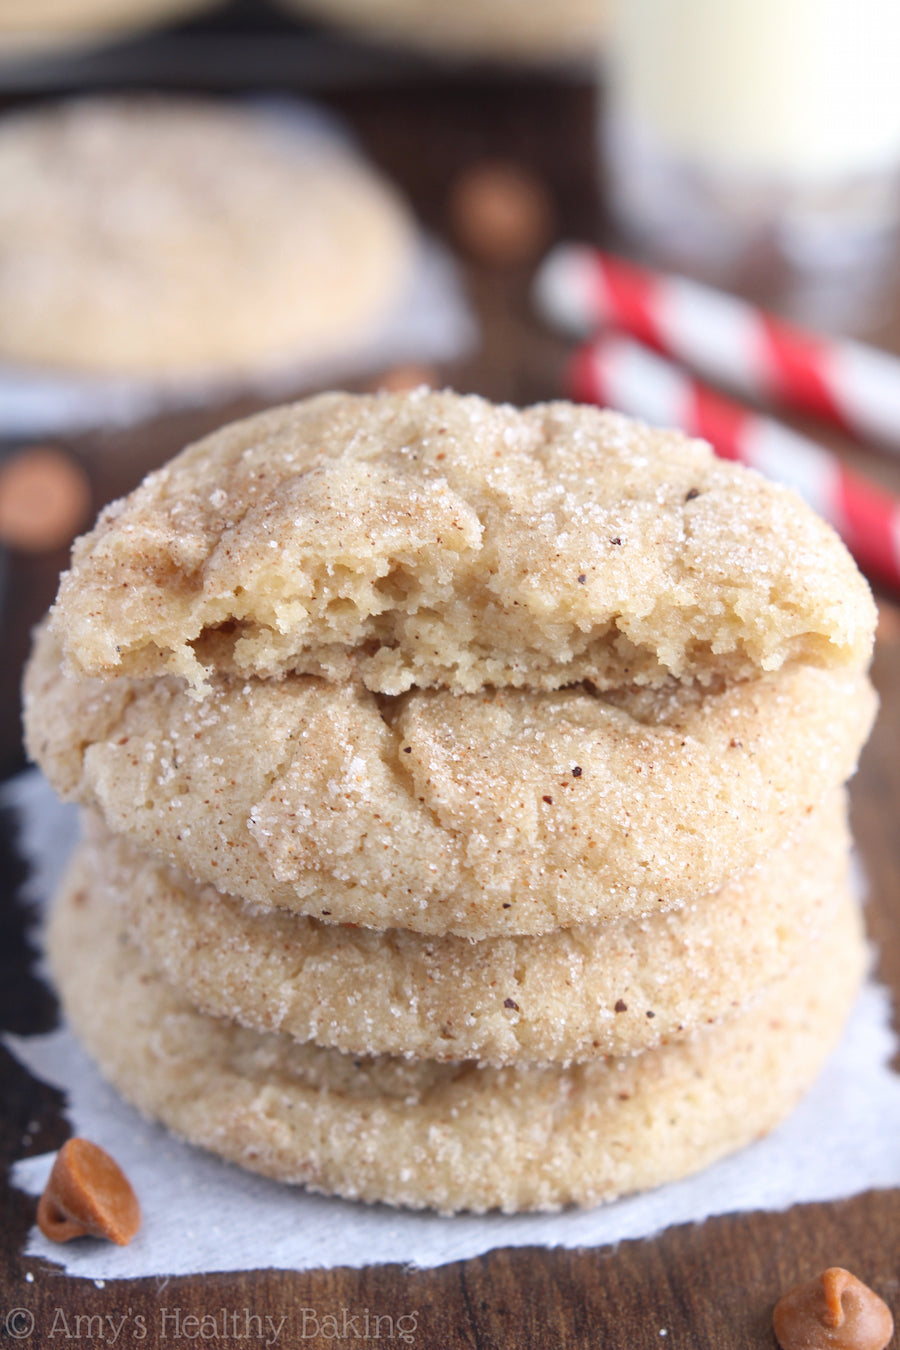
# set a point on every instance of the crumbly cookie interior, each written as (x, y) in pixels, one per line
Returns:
(433, 540)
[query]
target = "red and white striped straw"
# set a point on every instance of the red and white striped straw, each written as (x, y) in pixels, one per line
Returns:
(619, 373)
(729, 341)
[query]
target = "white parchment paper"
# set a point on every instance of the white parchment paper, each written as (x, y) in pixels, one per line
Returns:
(202, 1215)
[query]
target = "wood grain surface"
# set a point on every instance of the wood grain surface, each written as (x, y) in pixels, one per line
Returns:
(707, 1285)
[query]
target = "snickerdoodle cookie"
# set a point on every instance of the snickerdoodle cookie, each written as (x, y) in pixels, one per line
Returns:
(161, 237)
(450, 1136)
(37, 25)
(430, 539)
(504, 812)
(614, 988)
(467, 825)
(504, 30)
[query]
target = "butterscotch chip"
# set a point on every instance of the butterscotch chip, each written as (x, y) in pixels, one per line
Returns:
(611, 988)
(400, 379)
(44, 499)
(430, 539)
(449, 1136)
(836, 1311)
(501, 213)
(88, 1194)
(505, 812)
(888, 630)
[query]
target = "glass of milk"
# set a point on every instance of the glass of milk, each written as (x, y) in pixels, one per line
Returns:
(742, 129)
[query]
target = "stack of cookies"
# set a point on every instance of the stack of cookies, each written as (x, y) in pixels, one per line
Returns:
(466, 824)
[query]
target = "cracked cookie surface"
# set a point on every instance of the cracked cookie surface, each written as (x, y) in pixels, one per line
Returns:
(505, 812)
(435, 540)
(611, 988)
(448, 1136)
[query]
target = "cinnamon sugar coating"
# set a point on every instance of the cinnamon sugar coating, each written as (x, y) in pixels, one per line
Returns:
(467, 798)
(506, 812)
(434, 540)
(616, 987)
(447, 1136)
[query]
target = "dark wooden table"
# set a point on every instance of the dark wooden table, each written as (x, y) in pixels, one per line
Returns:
(708, 1285)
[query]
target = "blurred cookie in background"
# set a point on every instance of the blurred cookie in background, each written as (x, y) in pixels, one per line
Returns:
(504, 30)
(30, 26)
(154, 237)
